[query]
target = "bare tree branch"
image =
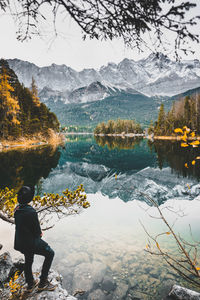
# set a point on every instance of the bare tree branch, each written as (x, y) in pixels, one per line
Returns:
(106, 19)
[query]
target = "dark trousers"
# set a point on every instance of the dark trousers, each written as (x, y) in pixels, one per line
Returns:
(41, 248)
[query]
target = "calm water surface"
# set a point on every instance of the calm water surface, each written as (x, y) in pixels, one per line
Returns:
(101, 250)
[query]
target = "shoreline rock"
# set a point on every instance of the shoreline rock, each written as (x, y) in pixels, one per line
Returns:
(8, 269)
(181, 293)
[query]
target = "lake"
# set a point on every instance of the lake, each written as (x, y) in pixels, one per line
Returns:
(102, 250)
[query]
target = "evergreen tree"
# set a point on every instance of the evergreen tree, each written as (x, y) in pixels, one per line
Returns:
(187, 112)
(160, 126)
(119, 126)
(34, 91)
(21, 112)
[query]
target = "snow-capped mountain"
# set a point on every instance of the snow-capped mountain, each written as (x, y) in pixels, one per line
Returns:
(155, 75)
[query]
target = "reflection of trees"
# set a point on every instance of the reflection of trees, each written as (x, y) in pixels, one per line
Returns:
(172, 153)
(19, 168)
(118, 142)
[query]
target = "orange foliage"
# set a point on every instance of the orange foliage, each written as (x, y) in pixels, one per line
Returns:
(10, 104)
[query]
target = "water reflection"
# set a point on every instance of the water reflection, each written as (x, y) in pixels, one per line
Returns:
(100, 250)
(175, 156)
(104, 249)
(19, 168)
(118, 142)
(85, 149)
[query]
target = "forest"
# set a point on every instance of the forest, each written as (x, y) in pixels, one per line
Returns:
(21, 112)
(184, 112)
(117, 127)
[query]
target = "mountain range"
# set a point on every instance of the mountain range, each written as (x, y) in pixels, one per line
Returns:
(68, 92)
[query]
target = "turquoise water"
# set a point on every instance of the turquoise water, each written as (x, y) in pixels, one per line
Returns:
(101, 250)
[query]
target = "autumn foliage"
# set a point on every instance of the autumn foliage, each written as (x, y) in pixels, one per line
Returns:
(185, 112)
(21, 112)
(47, 206)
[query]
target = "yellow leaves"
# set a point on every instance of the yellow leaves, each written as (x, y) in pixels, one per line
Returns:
(147, 246)
(195, 143)
(184, 145)
(186, 129)
(193, 163)
(13, 284)
(59, 203)
(188, 186)
(168, 232)
(115, 176)
(198, 157)
(192, 134)
(9, 101)
(184, 138)
(158, 246)
(197, 268)
(178, 130)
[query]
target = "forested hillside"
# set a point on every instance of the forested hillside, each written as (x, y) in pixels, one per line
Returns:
(185, 112)
(21, 112)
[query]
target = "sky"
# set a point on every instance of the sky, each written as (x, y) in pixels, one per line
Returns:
(69, 48)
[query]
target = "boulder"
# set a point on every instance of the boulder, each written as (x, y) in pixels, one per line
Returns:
(8, 268)
(181, 293)
(6, 265)
(95, 172)
(108, 284)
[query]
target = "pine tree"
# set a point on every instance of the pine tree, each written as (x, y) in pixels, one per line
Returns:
(160, 126)
(187, 112)
(9, 106)
(34, 91)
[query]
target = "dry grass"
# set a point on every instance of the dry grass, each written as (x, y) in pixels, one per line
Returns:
(53, 139)
(176, 138)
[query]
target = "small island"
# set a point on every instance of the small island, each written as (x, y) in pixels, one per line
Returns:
(119, 128)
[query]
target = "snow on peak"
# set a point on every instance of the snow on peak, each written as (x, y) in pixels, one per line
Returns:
(154, 75)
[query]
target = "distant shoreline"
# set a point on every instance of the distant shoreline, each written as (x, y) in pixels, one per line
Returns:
(176, 138)
(78, 133)
(24, 143)
(121, 134)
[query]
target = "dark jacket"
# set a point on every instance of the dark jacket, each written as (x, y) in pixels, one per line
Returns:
(27, 228)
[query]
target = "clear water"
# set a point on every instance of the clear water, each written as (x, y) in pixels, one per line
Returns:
(101, 250)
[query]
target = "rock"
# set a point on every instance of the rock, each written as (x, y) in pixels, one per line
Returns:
(1, 246)
(121, 290)
(18, 265)
(74, 259)
(165, 288)
(108, 284)
(88, 275)
(181, 293)
(95, 172)
(5, 266)
(59, 292)
(97, 294)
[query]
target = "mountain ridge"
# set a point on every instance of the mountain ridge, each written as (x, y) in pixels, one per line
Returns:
(154, 75)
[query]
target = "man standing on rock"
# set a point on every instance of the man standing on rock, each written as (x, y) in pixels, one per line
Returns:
(28, 240)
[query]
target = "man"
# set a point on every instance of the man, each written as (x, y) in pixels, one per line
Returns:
(28, 240)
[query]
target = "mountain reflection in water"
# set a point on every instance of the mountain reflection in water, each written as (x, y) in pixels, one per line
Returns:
(101, 250)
